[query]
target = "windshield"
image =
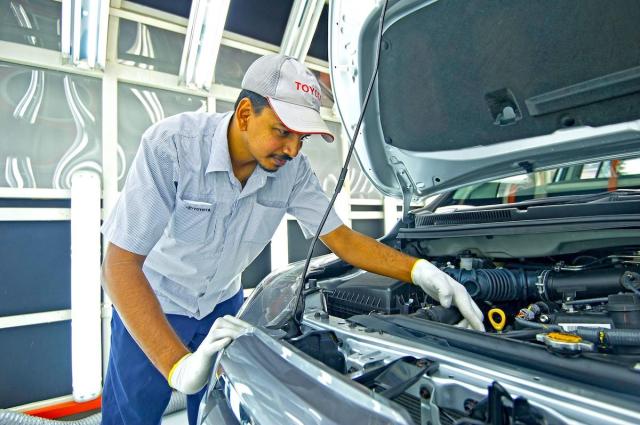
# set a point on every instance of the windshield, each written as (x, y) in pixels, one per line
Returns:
(596, 177)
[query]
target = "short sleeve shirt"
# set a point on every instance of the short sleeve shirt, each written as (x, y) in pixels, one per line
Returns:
(184, 209)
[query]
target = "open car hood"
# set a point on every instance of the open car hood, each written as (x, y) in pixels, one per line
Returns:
(474, 91)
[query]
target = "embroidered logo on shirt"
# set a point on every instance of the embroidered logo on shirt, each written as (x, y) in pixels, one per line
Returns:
(189, 207)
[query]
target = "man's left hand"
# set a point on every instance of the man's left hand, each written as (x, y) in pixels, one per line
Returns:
(441, 287)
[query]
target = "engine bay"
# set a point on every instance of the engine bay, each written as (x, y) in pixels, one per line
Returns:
(574, 317)
(561, 312)
(587, 303)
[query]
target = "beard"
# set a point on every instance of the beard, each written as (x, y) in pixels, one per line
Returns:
(268, 170)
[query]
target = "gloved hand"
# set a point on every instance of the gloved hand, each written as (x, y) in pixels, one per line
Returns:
(440, 286)
(190, 374)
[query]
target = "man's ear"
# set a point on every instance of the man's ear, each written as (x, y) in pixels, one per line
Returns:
(244, 111)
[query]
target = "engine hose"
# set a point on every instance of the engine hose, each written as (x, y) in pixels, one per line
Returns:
(535, 325)
(497, 284)
(546, 284)
(587, 283)
(440, 314)
(177, 402)
(614, 337)
(522, 334)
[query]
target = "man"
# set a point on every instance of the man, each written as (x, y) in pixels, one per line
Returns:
(204, 196)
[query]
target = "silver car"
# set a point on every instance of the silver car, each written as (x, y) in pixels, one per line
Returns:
(517, 125)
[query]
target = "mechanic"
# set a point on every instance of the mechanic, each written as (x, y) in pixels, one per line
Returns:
(204, 196)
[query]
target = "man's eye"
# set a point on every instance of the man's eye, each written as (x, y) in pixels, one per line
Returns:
(281, 132)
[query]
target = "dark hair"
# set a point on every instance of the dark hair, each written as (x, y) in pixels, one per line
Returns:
(258, 102)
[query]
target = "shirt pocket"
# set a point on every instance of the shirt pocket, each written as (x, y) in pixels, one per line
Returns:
(193, 221)
(263, 222)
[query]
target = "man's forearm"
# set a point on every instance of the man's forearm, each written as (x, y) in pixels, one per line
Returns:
(369, 254)
(366, 253)
(137, 305)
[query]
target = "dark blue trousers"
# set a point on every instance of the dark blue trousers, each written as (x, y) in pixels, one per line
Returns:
(135, 392)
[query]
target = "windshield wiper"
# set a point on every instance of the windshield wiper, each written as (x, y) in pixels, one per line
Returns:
(613, 196)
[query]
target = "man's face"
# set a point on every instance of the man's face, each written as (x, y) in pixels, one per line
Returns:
(270, 142)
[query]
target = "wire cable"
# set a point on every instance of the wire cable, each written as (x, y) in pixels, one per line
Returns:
(343, 172)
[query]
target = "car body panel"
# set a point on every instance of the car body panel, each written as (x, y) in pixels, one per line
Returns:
(275, 384)
(429, 122)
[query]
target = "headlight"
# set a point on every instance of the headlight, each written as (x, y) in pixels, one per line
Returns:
(273, 300)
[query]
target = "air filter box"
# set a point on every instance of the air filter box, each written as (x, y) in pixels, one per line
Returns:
(370, 292)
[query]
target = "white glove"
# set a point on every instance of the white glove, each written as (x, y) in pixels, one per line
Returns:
(440, 286)
(191, 373)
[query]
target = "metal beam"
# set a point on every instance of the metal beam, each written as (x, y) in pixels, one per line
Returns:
(34, 319)
(301, 28)
(35, 214)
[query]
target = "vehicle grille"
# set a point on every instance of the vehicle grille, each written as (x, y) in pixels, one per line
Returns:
(464, 217)
(449, 416)
(345, 304)
(412, 405)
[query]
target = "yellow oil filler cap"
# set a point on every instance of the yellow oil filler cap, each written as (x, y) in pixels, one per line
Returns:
(497, 318)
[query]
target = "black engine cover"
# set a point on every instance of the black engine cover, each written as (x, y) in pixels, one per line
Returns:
(370, 292)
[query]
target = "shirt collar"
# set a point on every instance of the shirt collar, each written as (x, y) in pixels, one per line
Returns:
(220, 160)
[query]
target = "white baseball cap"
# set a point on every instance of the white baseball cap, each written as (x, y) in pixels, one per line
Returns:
(292, 91)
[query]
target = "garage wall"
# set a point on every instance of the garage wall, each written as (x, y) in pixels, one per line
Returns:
(57, 119)
(35, 267)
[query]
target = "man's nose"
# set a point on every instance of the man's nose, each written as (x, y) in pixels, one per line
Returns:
(292, 146)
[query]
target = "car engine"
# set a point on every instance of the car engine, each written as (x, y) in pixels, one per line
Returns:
(586, 303)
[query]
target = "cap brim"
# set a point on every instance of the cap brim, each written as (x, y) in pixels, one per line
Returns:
(300, 119)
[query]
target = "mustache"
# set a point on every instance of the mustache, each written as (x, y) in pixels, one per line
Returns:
(284, 157)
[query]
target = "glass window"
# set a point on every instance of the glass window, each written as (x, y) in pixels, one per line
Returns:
(325, 87)
(619, 168)
(361, 187)
(629, 167)
(222, 106)
(259, 19)
(371, 227)
(359, 184)
(149, 47)
(325, 158)
(589, 171)
(319, 47)
(51, 126)
(232, 64)
(32, 22)
(180, 8)
(592, 178)
(138, 108)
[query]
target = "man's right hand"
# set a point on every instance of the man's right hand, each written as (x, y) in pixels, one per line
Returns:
(191, 373)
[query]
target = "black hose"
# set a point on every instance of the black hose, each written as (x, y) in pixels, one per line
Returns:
(613, 337)
(440, 314)
(535, 325)
(522, 334)
(519, 284)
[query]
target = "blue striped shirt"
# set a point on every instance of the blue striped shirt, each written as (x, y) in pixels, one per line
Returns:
(184, 209)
